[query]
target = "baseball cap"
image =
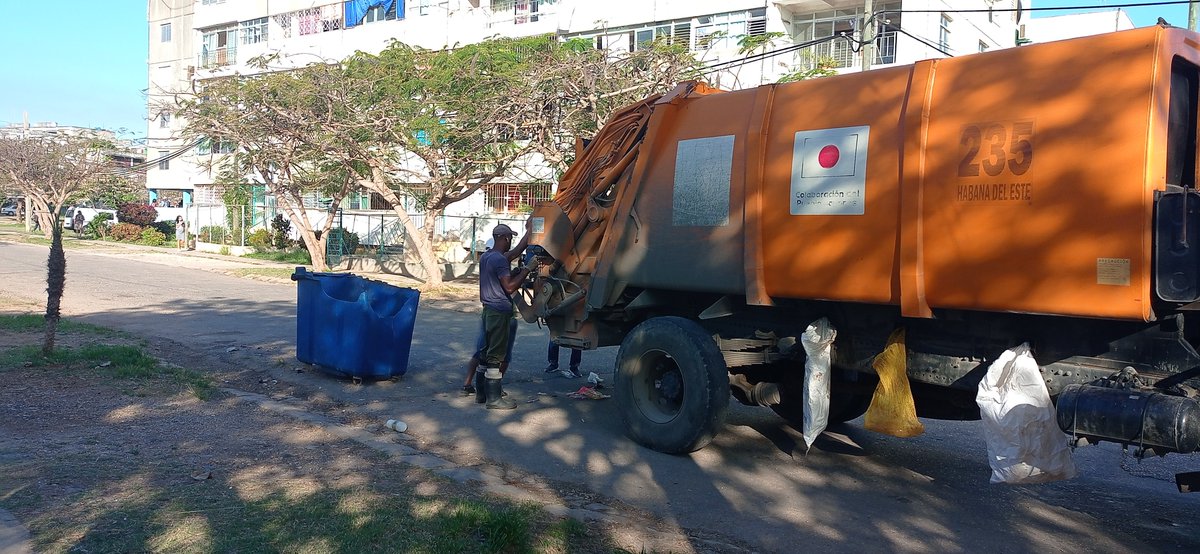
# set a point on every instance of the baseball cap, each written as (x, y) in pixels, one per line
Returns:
(502, 230)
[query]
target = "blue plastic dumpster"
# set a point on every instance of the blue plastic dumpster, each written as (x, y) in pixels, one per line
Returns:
(354, 327)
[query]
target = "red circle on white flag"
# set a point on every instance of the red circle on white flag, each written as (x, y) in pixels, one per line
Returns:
(828, 157)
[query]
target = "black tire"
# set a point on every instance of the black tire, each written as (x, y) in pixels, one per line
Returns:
(671, 386)
(843, 406)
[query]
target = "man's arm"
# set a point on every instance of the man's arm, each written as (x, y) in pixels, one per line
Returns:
(512, 281)
(516, 251)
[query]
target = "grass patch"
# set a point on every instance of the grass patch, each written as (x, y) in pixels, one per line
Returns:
(298, 256)
(208, 517)
(276, 272)
(28, 323)
(118, 362)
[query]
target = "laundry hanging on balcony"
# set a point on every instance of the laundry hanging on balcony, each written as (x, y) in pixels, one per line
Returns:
(356, 10)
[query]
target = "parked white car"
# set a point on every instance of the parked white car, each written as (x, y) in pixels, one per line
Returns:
(88, 214)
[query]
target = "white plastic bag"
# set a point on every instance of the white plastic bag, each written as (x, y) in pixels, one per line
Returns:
(1023, 440)
(818, 341)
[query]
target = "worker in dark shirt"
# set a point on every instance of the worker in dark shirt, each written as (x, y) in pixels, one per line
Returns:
(497, 283)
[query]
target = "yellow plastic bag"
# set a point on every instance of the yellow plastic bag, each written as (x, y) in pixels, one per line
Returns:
(892, 410)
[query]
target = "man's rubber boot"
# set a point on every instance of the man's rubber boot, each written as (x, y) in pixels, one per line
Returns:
(495, 396)
(480, 389)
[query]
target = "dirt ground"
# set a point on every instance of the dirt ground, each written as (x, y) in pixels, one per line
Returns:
(93, 463)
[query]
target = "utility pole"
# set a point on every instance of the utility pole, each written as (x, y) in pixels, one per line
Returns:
(868, 35)
(1192, 8)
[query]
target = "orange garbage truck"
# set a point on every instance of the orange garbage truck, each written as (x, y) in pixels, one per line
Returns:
(1045, 194)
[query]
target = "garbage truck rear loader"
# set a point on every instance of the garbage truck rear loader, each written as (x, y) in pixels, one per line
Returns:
(1044, 194)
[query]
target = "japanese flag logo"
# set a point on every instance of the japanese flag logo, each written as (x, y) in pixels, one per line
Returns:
(829, 169)
(830, 157)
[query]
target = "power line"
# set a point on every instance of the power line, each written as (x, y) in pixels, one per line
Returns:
(1045, 9)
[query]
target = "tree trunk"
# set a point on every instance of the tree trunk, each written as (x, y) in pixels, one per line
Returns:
(433, 267)
(316, 247)
(44, 213)
(416, 237)
(56, 279)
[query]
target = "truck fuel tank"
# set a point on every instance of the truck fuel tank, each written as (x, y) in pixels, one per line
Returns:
(1135, 416)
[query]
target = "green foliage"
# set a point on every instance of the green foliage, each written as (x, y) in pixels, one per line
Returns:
(126, 232)
(750, 44)
(167, 228)
(99, 226)
(824, 67)
(260, 239)
(297, 256)
(153, 237)
(215, 234)
(137, 214)
(237, 198)
(281, 229)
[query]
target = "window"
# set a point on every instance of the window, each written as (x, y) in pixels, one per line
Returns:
(311, 21)
(508, 197)
(377, 13)
(254, 31)
(214, 146)
(163, 163)
(164, 32)
(519, 11)
(218, 46)
(944, 33)
(164, 120)
(841, 52)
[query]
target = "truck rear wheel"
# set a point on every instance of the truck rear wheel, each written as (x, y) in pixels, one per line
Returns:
(672, 386)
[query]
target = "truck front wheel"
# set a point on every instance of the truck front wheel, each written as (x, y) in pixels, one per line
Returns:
(672, 386)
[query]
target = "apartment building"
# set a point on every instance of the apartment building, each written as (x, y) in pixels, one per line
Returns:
(193, 40)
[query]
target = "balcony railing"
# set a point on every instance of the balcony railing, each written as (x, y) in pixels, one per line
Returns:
(517, 12)
(217, 57)
(843, 55)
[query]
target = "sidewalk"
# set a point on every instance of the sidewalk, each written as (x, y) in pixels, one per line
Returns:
(460, 295)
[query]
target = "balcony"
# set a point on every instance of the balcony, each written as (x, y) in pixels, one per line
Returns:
(217, 57)
(518, 12)
(843, 56)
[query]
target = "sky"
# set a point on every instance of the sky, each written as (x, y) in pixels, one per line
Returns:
(88, 68)
(1175, 14)
(75, 62)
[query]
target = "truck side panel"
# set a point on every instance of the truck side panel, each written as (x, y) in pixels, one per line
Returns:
(689, 213)
(1037, 197)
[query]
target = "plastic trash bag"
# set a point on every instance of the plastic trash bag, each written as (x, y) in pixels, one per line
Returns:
(817, 341)
(1023, 440)
(892, 410)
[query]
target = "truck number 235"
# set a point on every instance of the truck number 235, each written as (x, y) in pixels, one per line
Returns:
(995, 146)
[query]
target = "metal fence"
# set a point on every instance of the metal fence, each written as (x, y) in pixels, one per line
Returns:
(374, 234)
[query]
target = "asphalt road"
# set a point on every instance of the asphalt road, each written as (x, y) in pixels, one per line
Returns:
(856, 490)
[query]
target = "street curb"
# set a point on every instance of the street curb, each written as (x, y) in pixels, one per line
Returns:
(14, 537)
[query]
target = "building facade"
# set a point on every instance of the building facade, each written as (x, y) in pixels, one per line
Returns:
(193, 40)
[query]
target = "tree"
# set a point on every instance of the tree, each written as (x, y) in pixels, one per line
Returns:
(440, 125)
(49, 172)
(574, 88)
(278, 128)
(420, 128)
